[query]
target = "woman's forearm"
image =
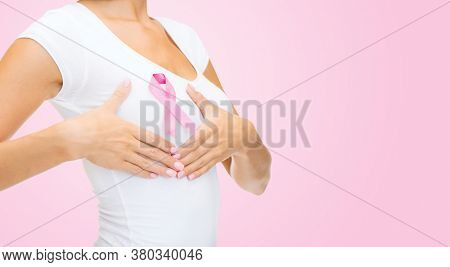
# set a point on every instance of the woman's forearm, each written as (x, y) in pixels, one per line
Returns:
(30, 155)
(99, 136)
(250, 167)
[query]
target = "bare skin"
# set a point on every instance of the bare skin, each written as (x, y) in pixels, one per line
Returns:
(119, 146)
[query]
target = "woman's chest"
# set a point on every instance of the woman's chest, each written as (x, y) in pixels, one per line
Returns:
(154, 44)
(149, 104)
(107, 68)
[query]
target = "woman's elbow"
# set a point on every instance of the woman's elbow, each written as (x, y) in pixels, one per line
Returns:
(264, 179)
(3, 185)
(259, 185)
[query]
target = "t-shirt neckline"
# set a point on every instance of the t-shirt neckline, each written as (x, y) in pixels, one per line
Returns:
(130, 50)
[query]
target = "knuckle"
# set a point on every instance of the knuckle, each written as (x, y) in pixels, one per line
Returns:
(188, 159)
(145, 166)
(169, 161)
(158, 170)
(157, 143)
(201, 171)
(216, 154)
(150, 151)
(194, 154)
(188, 170)
(122, 156)
(159, 156)
(201, 162)
(128, 145)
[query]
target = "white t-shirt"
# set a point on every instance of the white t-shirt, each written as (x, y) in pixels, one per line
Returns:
(93, 61)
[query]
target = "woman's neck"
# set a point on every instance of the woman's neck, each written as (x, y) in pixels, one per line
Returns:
(119, 9)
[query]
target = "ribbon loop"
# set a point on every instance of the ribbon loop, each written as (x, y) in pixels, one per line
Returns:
(165, 93)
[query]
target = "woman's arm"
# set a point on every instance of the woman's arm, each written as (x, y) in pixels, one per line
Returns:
(30, 155)
(236, 144)
(29, 76)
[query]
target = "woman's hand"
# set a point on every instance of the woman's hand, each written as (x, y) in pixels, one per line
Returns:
(221, 136)
(110, 142)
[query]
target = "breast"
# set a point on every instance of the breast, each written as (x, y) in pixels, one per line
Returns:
(157, 212)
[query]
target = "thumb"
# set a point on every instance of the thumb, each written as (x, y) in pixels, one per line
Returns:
(119, 96)
(202, 103)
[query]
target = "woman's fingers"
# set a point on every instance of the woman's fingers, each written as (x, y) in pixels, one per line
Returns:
(160, 156)
(202, 103)
(193, 143)
(194, 155)
(151, 139)
(201, 165)
(136, 171)
(150, 165)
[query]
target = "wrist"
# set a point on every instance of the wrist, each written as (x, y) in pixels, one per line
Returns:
(249, 139)
(55, 143)
(64, 140)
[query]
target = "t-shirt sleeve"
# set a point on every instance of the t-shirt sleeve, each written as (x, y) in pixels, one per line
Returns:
(189, 41)
(200, 52)
(51, 32)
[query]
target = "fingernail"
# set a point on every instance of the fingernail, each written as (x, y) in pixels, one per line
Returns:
(191, 177)
(173, 150)
(126, 83)
(180, 175)
(171, 173)
(153, 175)
(179, 166)
(177, 156)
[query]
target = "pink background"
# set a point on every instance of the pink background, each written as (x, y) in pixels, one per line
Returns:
(379, 124)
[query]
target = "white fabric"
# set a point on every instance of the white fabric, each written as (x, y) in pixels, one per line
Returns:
(93, 61)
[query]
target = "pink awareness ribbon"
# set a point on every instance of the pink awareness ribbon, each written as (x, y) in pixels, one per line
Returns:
(164, 92)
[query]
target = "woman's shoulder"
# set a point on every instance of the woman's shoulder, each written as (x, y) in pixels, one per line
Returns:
(61, 17)
(61, 20)
(59, 33)
(59, 26)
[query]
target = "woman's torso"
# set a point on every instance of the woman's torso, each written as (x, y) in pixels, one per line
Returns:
(93, 61)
